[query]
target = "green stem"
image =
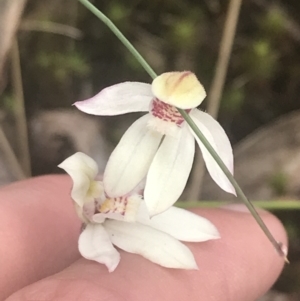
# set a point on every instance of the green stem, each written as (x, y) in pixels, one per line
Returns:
(119, 35)
(232, 180)
(149, 70)
(269, 205)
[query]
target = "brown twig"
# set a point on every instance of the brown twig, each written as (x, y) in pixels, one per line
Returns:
(10, 157)
(10, 14)
(216, 89)
(52, 27)
(19, 110)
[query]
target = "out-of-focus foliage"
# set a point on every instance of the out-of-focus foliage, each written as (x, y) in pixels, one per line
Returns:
(278, 183)
(260, 60)
(264, 70)
(62, 64)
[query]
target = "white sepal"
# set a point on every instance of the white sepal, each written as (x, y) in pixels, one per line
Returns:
(169, 171)
(118, 99)
(82, 163)
(130, 161)
(94, 244)
(82, 169)
(181, 224)
(152, 244)
(216, 136)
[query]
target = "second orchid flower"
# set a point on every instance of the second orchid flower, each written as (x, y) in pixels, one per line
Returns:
(124, 222)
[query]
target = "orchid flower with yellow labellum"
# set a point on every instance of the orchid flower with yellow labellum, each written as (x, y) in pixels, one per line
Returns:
(124, 222)
(160, 145)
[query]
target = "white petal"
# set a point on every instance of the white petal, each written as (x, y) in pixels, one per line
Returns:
(82, 163)
(82, 169)
(181, 224)
(94, 244)
(118, 99)
(169, 171)
(152, 244)
(130, 161)
(217, 137)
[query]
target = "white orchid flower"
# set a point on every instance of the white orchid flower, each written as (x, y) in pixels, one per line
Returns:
(124, 222)
(160, 145)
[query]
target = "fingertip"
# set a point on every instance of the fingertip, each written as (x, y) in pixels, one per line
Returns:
(244, 250)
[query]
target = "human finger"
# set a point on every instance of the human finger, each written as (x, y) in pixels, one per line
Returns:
(242, 265)
(38, 231)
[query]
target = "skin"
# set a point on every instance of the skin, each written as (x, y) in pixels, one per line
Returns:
(39, 259)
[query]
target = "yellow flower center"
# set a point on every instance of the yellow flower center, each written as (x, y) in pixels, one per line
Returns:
(179, 89)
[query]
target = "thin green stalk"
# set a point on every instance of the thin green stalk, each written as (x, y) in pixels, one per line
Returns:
(149, 70)
(268, 205)
(119, 35)
(232, 180)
